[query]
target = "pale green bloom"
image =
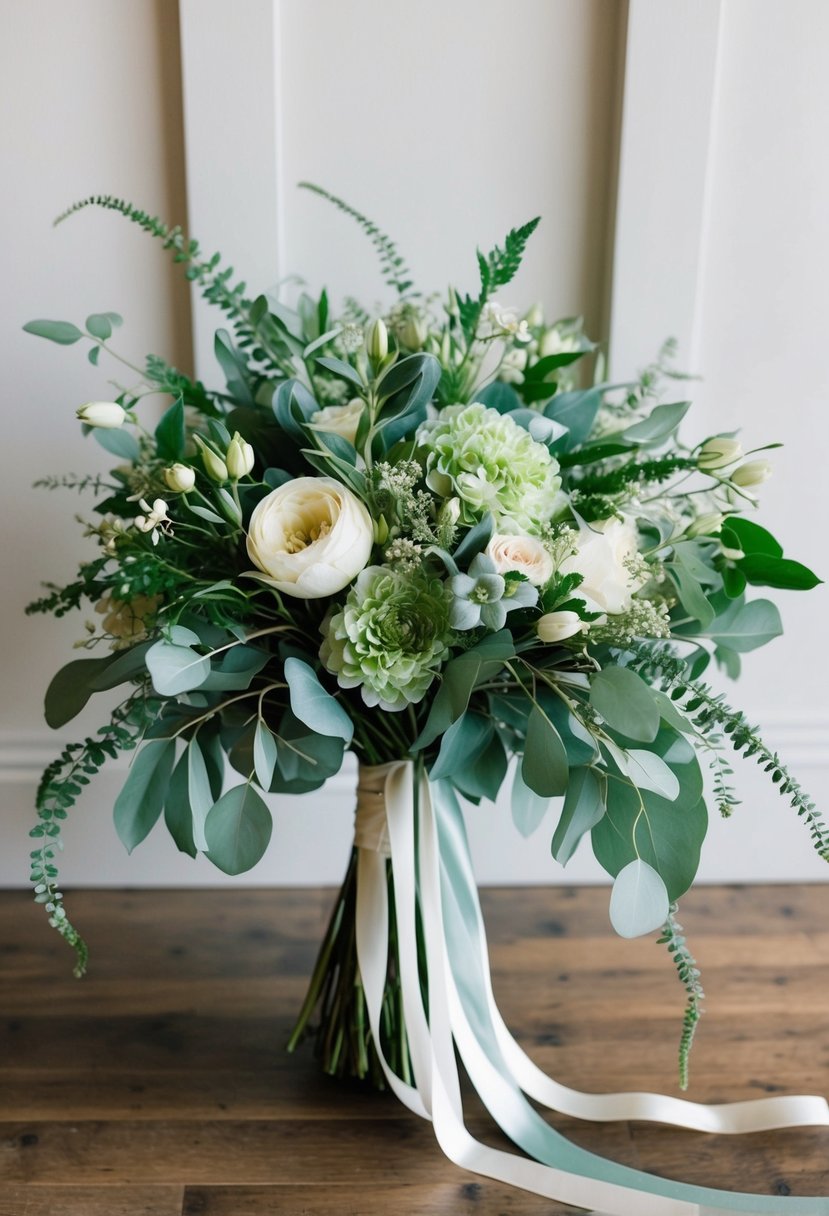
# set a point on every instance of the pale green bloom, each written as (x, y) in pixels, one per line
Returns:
(492, 464)
(390, 636)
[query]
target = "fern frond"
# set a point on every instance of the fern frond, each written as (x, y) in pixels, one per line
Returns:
(255, 331)
(688, 972)
(393, 266)
(496, 268)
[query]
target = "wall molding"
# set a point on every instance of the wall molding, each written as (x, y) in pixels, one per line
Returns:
(802, 739)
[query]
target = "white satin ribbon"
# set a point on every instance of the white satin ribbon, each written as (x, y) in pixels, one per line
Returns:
(432, 872)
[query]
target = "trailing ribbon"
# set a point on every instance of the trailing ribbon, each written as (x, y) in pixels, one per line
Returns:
(433, 874)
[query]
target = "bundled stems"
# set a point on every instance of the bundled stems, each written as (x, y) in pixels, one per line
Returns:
(334, 1013)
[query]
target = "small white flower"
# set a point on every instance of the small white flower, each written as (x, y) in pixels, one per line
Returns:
(512, 366)
(180, 477)
(154, 520)
(718, 453)
(524, 554)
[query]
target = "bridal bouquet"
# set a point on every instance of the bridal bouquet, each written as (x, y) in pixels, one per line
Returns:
(435, 538)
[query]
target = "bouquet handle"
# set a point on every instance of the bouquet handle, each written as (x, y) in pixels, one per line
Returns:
(425, 835)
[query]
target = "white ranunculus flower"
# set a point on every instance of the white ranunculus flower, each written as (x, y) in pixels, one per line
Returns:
(556, 626)
(511, 370)
(339, 419)
(604, 550)
(524, 554)
(310, 537)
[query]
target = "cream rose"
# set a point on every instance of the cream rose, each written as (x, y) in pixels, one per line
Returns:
(524, 554)
(340, 420)
(604, 550)
(310, 537)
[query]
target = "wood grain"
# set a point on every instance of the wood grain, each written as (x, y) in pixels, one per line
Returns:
(159, 1086)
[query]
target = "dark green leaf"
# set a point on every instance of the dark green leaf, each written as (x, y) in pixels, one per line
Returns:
(142, 796)
(460, 676)
(170, 435)
(178, 816)
(544, 767)
(238, 830)
(750, 537)
(764, 571)
(461, 744)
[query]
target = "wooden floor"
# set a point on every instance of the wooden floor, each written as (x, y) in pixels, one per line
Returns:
(159, 1085)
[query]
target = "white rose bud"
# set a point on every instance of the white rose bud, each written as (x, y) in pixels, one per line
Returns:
(214, 466)
(604, 551)
(752, 473)
(310, 537)
(556, 626)
(524, 554)
(239, 458)
(180, 477)
(105, 414)
(718, 453)
(377, 340)
(340, 420)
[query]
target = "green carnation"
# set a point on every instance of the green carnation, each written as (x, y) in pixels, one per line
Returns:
(390, 636)
(492, 464)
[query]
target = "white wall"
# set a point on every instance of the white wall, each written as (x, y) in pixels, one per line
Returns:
(90, 102)
(447, 130)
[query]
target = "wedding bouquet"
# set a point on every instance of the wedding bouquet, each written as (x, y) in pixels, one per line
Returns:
(434, 538)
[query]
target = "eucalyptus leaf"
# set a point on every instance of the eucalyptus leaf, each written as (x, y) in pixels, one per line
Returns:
(584, 806)
(313, 705)
(264, 755)
(62, 332)
(142, 795)
(175, 669)
(484, 778)
(528, 808)
(744, 627)
(238, 830)
(118, 442)
(660, 423)
(99, 325)
(200, 795)
(624, 701)
(178, 816)
(235, 670)
(340, 368)
(639, 901)
(460, 677)
(461, 744)
(544, 766)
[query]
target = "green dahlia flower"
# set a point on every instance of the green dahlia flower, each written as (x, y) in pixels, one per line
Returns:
(389, 637)
(492, 464)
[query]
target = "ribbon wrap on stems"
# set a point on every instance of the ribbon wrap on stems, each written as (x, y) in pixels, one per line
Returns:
(419, 824)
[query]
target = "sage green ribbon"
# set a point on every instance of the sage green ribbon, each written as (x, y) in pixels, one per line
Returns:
(433, 873)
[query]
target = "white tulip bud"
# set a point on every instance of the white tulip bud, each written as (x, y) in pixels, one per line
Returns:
(752, 473)
(239, 457)
(214, 466)
(180, 477)
(706, 525)
(377, 340)
(718, 453)
(556, 626)
(535, 317)
(105, 414)
(413, 332)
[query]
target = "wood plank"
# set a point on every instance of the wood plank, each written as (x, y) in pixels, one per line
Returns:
(91, 1201)
(459, 1198)
(167, 1066)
